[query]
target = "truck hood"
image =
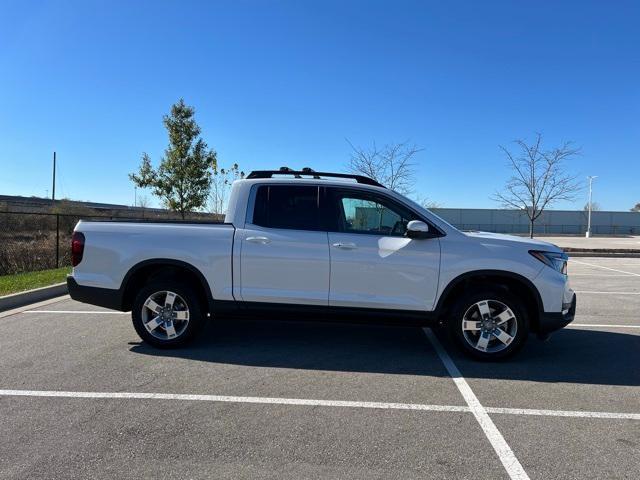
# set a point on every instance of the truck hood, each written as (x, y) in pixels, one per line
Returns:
(512, 240)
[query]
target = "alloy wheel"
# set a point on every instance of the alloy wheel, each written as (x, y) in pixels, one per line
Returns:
(165, 315)
(489, 326)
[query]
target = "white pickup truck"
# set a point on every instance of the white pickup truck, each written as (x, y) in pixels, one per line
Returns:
(323, 246)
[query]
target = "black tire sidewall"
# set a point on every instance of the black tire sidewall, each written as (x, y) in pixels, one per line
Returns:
(462, 305)
(195, 313)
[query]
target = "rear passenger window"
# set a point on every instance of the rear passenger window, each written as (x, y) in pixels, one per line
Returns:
(284, 206)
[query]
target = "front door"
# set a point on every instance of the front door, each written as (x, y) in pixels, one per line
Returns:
(373, 263)
(284, 255)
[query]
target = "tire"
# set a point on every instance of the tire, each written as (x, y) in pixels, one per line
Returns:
(489, 324)
(158, 324)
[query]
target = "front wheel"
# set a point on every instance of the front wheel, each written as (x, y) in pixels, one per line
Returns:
(489, 325)
(166, 314)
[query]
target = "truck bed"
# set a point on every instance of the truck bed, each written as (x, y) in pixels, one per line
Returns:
(113, 248)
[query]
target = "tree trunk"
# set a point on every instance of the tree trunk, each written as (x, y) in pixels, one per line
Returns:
(531, 228)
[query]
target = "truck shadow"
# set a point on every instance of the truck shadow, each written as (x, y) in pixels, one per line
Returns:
(570, 356)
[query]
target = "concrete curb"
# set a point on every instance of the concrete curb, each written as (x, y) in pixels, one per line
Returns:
(20, 299)
(604, 254)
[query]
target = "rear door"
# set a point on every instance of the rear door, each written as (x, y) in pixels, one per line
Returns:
(373, 263)
(284, 253)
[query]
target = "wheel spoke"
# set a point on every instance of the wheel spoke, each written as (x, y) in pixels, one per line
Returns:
(153, 306)
(182, 315)
(503, 336)
(483, 307)
(170, 329)
(168, 301)
(470, 325)
(483, 342)
(153, 323)
(504, 317)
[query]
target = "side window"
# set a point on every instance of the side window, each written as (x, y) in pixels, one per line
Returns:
(369, 214)
(285, 206)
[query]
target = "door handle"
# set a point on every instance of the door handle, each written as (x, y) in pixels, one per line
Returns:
(345, 245)
(261, 240)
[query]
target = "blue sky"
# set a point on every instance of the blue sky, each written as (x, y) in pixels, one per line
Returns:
(284, 83)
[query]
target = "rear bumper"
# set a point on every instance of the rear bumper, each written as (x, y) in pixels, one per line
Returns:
(552, 321)
(102, 297)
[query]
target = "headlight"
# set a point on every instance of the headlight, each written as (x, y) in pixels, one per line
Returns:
(555, 260)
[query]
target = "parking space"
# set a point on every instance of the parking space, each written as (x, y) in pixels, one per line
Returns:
(80, 396)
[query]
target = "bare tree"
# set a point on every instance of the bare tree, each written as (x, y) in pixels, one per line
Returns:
(595, 207)
(391, 165)
(426, 202)
(636, 208)
(143, 203)
(539, 179)
(221, 185)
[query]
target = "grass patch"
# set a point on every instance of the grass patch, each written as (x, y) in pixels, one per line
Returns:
(26, 281)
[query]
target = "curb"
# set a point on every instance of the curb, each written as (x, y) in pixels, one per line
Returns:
(21, 299)
(603, 254)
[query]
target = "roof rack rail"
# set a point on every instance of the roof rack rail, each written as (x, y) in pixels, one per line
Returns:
(316, 175)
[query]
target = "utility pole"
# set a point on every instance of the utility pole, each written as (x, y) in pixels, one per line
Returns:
(53, 203)
(591, 178)
(53, 190)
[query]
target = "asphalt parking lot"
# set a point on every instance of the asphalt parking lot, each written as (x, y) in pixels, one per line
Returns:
(81, 397)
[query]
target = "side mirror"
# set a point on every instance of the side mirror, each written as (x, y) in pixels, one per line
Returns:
(418, 229)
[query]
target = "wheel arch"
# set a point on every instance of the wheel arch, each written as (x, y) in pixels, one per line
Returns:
(512, 282)
(156, 268)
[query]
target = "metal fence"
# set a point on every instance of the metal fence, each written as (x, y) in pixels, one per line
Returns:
(31, 241)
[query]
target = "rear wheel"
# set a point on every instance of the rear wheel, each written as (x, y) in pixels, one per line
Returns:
(166, 314)
(489, 324)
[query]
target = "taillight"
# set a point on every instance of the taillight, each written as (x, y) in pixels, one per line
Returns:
(77, 248)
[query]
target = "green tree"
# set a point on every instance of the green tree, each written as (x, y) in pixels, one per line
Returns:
(183, 179)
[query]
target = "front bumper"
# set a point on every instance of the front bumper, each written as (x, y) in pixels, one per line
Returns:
(552, 321)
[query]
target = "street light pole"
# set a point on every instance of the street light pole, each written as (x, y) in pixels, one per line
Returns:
(591, 178)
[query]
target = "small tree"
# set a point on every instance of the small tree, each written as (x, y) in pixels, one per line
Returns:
(391, 165)
(221, 185)
(539, 179)
(183, 179)
(636, 208)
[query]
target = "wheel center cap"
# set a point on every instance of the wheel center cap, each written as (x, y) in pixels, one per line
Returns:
(488, 324)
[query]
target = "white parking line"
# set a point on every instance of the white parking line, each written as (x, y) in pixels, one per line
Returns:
(499, 444)
(564, 413)
(613, 293)
(601, 325)
(236, 399)
(15, 311)
(109, 312)
(314, 403)
(606, 268)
